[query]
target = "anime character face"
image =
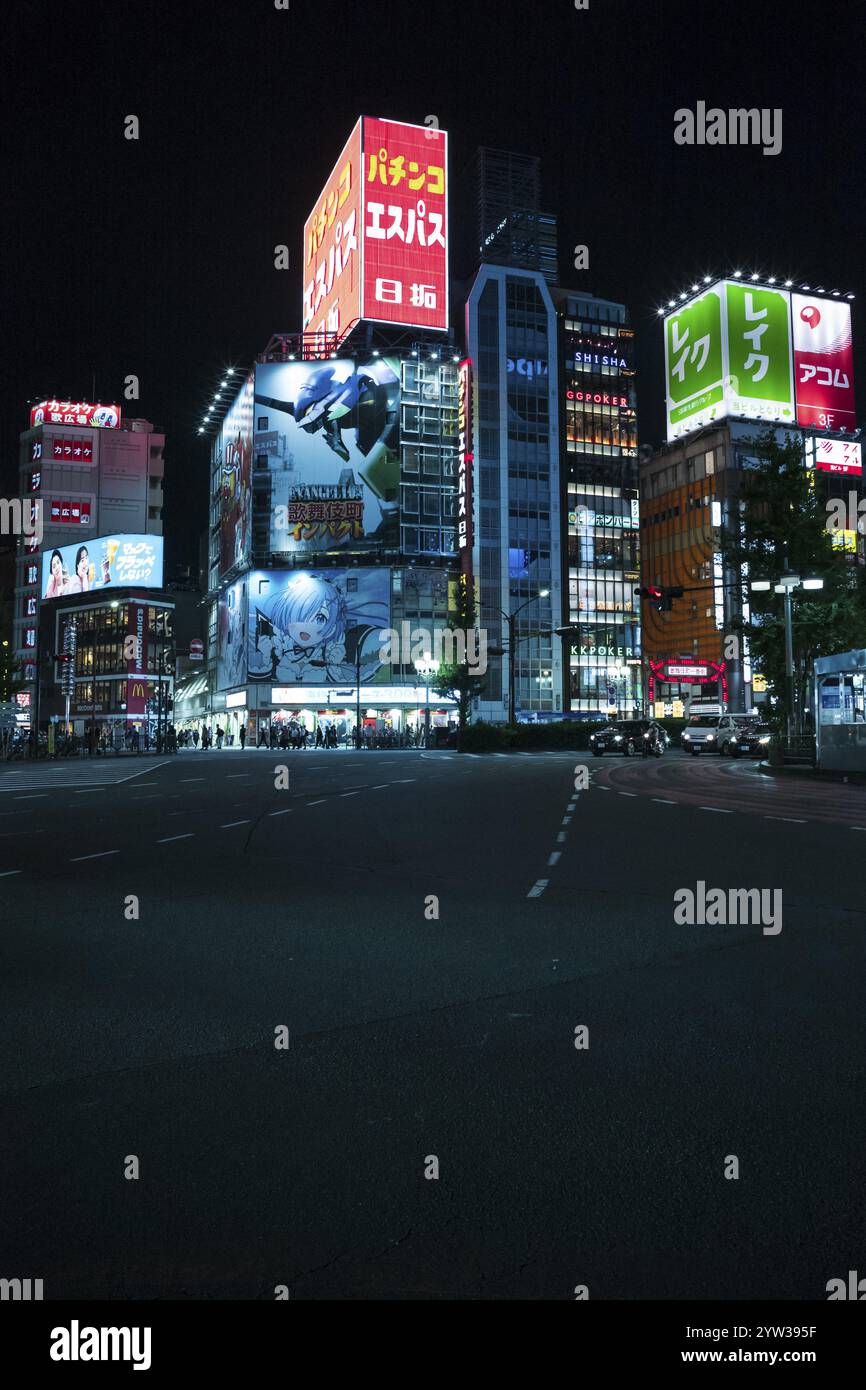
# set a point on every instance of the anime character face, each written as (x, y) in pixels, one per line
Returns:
(310, 611)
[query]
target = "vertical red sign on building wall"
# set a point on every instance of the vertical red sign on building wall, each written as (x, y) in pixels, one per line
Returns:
(136, 664)
(465, 461)
(823, 363)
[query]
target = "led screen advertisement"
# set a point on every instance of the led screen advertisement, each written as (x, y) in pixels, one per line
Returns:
(110, 562)
(318, 627)
(335, 466)
(823, 363)
(376, 242)
(235, 446)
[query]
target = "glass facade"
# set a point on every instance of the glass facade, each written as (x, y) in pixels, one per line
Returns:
(512, 335)
(603, 559)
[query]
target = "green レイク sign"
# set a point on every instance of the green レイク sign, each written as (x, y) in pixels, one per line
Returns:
(694, 348)
(759, 348)
(728, 352)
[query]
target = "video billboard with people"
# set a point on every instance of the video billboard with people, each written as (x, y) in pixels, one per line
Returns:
(109, 562)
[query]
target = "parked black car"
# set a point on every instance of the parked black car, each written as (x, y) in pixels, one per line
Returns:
(630, 737)
(752, 741)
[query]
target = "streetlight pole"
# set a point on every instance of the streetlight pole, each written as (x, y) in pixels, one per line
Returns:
(787, 584)
(426, 666)
(511, 621)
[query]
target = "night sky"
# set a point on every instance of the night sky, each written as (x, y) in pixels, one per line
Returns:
(156, 257)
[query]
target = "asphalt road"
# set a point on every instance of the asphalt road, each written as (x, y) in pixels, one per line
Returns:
(415, 1037)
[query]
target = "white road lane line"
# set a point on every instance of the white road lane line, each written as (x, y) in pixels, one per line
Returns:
(554, 858)
(317, 803)
(33, 796)
(719, 810)
(192, 779)
(104, 855)
(379, 785)
(8, 873)
(566, 820)
(168, 840)
(286, 812)
(561, 837)
(538, 888)
(348, 794)
(664, 801)
(231, 823)
(628, 793)
(789, 820)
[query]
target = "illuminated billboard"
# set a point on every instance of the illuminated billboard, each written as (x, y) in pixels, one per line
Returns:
(376, 242)
(333, 453)
(105, 417)
(823, 363)
(465, 466)
(834, 455)
(332, 258)
(761, 353)
(232, 637)
(235, 446)
(110, 562)
(728, 352)
(318, 627)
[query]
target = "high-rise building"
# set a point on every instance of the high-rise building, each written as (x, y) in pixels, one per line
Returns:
(333, 520)
(600, 483)
(511, 335)
(510, 227)
(95, 479)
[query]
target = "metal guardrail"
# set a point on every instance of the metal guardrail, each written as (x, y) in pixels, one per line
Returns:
(799, 750)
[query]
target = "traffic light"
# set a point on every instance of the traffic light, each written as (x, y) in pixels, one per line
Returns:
(660, 598)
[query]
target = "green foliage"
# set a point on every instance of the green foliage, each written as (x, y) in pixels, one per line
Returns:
(785, 528)
(458, 681)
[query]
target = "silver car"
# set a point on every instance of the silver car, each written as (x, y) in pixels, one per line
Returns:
(714, 733)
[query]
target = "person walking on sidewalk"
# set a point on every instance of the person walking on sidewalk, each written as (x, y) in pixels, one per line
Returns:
(243, 736)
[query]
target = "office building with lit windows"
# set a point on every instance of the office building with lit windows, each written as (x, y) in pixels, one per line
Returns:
(600, 502)
(511, 334)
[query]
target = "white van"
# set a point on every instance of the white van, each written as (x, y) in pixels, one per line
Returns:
(713, 733)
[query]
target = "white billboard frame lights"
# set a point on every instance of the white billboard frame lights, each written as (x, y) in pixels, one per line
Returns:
(734, 349)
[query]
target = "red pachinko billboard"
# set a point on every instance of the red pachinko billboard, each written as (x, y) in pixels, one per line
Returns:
(405, 224)
(105, 417)
(376, 243)
(823, 363)
(332, 256)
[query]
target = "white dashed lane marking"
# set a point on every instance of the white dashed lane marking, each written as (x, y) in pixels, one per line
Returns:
(104, 855)
(230, 823)
(169, 838)
(719, 810)
(538, 888)
(554, 858)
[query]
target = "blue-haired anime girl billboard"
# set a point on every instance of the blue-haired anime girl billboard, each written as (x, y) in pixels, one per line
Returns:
(317, 627)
